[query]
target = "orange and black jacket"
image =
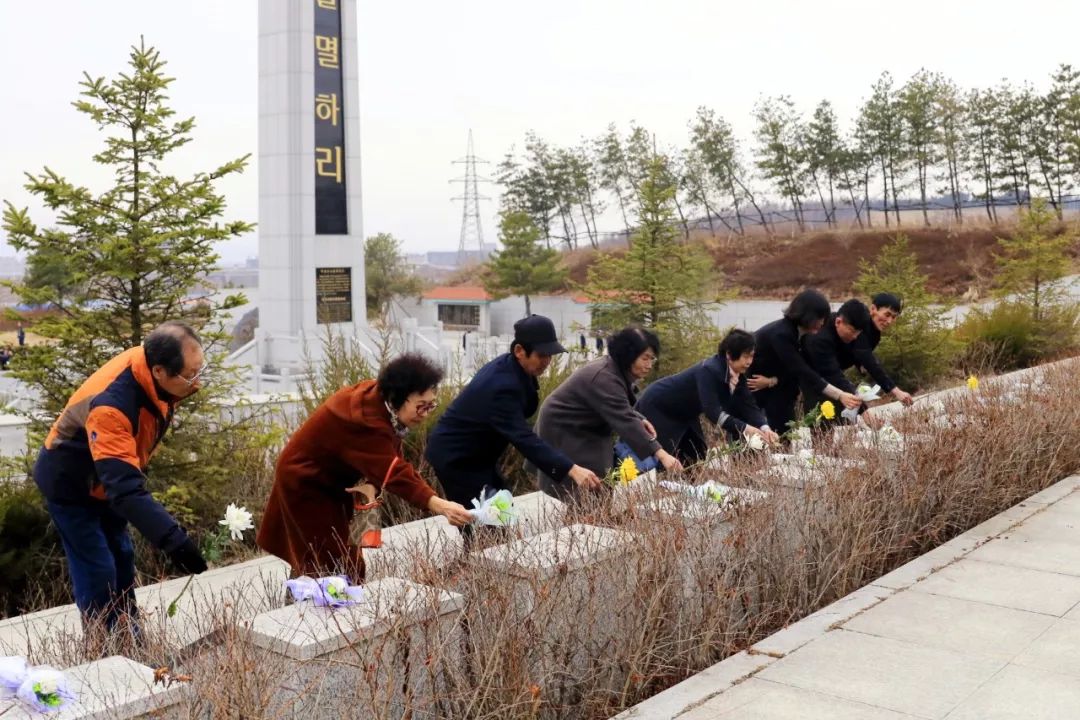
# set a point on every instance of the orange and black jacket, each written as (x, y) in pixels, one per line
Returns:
(99, 447)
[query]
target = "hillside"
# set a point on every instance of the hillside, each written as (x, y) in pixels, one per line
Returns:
(958, 262)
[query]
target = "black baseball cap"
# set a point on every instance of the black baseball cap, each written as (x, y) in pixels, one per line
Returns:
(538, 332)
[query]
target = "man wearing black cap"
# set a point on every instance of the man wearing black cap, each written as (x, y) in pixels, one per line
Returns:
(491, 412)
(831, 351)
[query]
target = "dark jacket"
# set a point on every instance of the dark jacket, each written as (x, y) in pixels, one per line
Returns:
(348, 440)
(778, 354)
(674, 403)
(489, 414)
(863, 353)
(830, 356)
(580, 417)
(100, 445)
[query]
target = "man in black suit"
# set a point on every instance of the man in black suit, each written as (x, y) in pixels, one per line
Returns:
(885, 309)
(831, 351)
(490, 413)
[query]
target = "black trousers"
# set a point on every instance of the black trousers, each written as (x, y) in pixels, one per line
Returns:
(778, 404)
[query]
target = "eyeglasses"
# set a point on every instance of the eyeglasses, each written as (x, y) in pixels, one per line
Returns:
(197, 376)
(425, 408)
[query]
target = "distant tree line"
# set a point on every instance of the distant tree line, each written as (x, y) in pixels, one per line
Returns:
(921, 144)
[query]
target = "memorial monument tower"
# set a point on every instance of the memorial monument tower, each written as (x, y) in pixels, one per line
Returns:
(311, 247)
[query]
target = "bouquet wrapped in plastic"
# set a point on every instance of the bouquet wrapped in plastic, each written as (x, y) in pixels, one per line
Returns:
(496, 509)
(41, 688)
(709, 490)
(331, 591)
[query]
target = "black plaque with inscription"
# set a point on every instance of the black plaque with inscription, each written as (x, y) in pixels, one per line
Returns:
(333, 295)
(331, 199)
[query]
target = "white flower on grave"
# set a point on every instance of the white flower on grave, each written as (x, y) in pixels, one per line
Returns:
(890, 435)
(332, 591)
(237, 520)
(336, 591)
(755, 442)
(335, 587)
(801, 433)
(12, 674)
(715, 494)
(45, 689)
(709, 491)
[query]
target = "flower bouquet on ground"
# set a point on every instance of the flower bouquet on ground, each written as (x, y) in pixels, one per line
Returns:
(42, 689)
(709, 490)
(714, 493)
(496, 509)
(332, 591)
(886, 438)
(716, 457)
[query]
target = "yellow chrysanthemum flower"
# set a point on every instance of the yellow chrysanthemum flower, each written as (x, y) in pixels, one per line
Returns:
(828, 410)
(973, 383)
(628, 471)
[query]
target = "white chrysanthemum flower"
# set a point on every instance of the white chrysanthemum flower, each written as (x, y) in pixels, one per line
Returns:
(335, 587)
(237, 520)
(45, 689)
(890, 435)
(755, 442)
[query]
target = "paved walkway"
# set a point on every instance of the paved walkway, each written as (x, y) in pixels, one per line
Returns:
(986, 627)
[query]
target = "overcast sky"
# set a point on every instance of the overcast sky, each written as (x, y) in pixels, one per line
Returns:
(431, 70)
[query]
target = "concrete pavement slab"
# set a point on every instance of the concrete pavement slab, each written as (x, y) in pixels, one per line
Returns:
(921, 681)
(944, 622)
(763, 700)
(1038, 553)
(1020, 693)
(1056, 650)
(1005, 585)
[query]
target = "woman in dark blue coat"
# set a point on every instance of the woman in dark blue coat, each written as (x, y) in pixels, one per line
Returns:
(715, 388)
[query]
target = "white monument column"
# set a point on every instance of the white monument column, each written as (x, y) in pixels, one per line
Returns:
(311, 248)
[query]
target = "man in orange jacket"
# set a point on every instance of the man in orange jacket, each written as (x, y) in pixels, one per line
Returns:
(92, 467)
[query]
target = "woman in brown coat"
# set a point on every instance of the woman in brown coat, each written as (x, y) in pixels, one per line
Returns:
(351, 439)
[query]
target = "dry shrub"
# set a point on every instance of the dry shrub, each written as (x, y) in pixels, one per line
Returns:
(671, 592)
